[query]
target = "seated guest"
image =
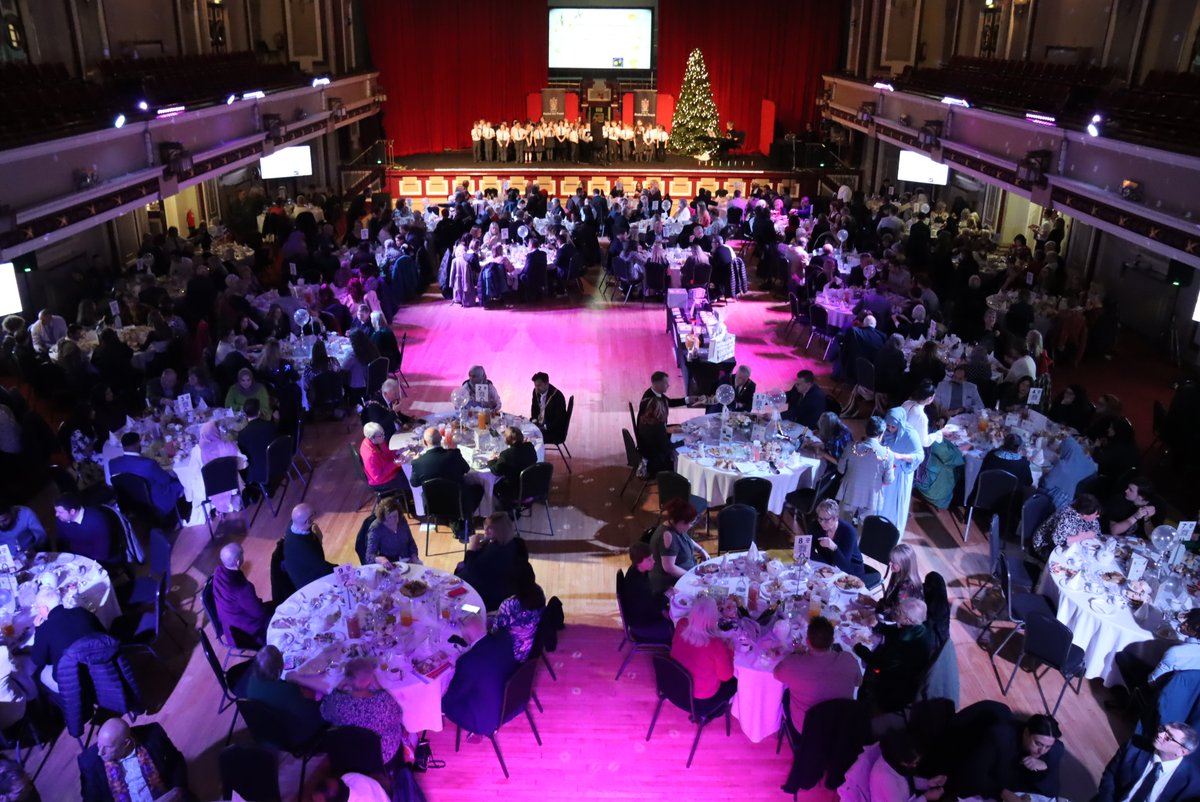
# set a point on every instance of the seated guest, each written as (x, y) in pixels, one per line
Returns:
(389, 540)
(493, 560)
(132, 763)
(46, 331)
(163, 390)
(437, 462)
(379, 461)
(477, 377)
(645, 610)
(864, 341)
(385, 340)
(300, 714)
(1138, 674)
(926, 365)
(15, 785)
(253, 441)
(1015, 397)
(653, 438)
(895, 668)
(521, 612)
(82, 530)
(834, 434)
(236, 600)
(519, 455)
(56, 628)
(956, 394)
(384, 408)
(805, 400)
(359, 702)
(21, 530)
(1073, 466)
(837, 542)
(706, 656)
(1163, 770)
(1008, 457)
(743, 389)
(819, 674)
(245, 389)
(165, 490)
(1008, 759)
(1117, 452)
(904, 582)
(939, 479)
(303, 555)
(1072, 408)
(211, 445)
(201, 388)
(1076, 522)
(1021, 364)
(673, 548)
(886, 772)
(549, 408)
(1131, 513)
(475, 698)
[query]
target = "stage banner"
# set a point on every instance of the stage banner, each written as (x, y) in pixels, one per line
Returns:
(554, 104)
(645, 102)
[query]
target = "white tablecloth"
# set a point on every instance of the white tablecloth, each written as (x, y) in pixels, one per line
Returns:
(758, 703)
(409, 444)
(1035, 426)
(316, 645)
(715, 484)
(81, 582)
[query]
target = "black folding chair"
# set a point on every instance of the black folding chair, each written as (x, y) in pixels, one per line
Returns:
(798, 313)
(633, 459)
(994, 491)
(250, 771)
(352, 749)
(737, 525)
(754, 491)
(1034, 512)
(626, 283)
(443, 506)
(674, 684)
(1017, 609)
(1048, 643)
(559, 443)
(655, 277)
(876, 540)
(819, 328)
(158, 578)
(803, 501)
(268, 728)
(377, 373)
(400, 364)
(280, 454)
(864, 387)
(220, 476)
(534, 488)
(231, 681)
(640, 645)
(135, 500)
(672, 486)
(236, 642)
(517, 693)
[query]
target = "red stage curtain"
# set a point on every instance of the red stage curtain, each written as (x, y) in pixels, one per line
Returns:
(627, 108)
(533, 106)
(443, 65)
(753, 51)
(571, 109)
(766, 126)
(664, 112)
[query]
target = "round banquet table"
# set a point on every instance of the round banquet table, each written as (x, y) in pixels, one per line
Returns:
(1102, 620)
(478, 447)
(802, 591)
(1042, 437)
(714, 472)
(81, 581)
(414, 662)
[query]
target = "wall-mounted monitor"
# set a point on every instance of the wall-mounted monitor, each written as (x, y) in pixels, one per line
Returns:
(601, 39)
(920, 169)
(292, 162)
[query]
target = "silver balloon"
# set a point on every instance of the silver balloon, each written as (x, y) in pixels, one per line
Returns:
(1163, 537)
(302, 317)
(725, 395)
(523, 232)
(460, 397)
(843, 235)
(778, 399)
(924, 208)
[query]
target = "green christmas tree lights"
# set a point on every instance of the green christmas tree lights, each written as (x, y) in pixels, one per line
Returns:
(696, 113)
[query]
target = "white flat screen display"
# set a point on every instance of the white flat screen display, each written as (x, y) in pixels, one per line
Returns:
(287, 163)
(10, 295)
(920, 169)
(610, 39)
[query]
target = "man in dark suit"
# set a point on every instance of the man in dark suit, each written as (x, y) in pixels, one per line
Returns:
(549, 408)
(562, 261)
(165, 490)
(653, 438)
(806, 401)
(61, 628)
(253, 441)
(132, 763)
(303, 555)
(519, 455)
(1164, 770)
(446, 463)
(236, 600)
(743, 390)
(83, 530)
(384, 409)
(618, 245)
(864, 341)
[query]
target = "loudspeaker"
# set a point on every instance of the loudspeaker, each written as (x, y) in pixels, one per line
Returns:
(1179, 274)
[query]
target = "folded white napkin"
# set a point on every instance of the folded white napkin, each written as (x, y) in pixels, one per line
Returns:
(1076, 582)
(753, 553)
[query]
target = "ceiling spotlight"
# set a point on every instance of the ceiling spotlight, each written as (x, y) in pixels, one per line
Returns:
(229, 100)
(257, 94)
(320, 81)
(1095, 125)
(143, 105)
(956, 101)
(119, 121)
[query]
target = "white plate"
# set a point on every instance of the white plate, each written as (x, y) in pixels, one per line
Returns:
(1102, 606)
(706, 462)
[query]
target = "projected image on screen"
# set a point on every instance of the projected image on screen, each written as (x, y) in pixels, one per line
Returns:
(920, 169)
(287, 163)
(10, 294)
(600, 38)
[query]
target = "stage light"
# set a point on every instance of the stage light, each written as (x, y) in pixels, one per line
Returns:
(1041, 119)
(884, 87)
(119, 121)
(256, 94)
(170, 111)
(1096, 125)
(956, 101)
(229, 100)
(143, 105)
(321, 81)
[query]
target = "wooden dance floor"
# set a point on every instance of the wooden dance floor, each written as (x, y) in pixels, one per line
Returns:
(593, 728)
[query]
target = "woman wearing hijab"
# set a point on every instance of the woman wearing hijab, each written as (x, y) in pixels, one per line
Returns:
(908, 454)
(1072, 408)
(211, 445)
(1073, 466)
(1118, 452)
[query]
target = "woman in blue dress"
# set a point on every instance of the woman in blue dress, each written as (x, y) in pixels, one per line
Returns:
(906, 448)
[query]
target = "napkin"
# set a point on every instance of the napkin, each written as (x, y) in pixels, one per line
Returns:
(753, 552)
(128, 422)
(1076, 582)
(202, 405)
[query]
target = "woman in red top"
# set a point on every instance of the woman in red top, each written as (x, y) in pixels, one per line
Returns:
(706, 657)
(379, 461)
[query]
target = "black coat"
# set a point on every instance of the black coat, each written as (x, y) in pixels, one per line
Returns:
(508, 467)
(253, 441)
(439, 463)
(805, 409)
(554, 423)
(304, 558)
(112, 684)
(172, 768)
(475, 698)
(61, 628)
(492, 570)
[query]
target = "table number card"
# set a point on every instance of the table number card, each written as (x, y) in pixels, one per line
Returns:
(1012, 419)
(364, 234)
(1137, 567)
(292, 269)
(1186, 530)
(481, 393)
(760, 403)
(1035, 396)
(183, 405)
(114, 308)
(6, 558)
(802, 548)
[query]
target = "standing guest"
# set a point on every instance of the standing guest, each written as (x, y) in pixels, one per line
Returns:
(132, 764)
(820, 674)
(673, 548)
(834, 435)
(895, 667)
(914, 407)
(548, 408)
(866, 467)
(477, 377)
(1163, 770)
(805, 400)
(904, 581)
(519, 455)
(653, 438)
(82, 530)
(644, 610)
(1009, 759)
(837, 542)
(166, 491)
(236, 600)
(359, 701)
(303, 554)
(300, 715)
(21, 530)
(956, 394)
(907, 456)
(389, 540)
(520, 613)
(379, 461)
(493, 560)
(1078, 521)
(1073, 466)
(706, 656)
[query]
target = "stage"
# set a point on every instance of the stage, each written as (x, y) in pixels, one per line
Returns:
(434, 176)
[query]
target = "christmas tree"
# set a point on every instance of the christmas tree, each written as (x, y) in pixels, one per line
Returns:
(696, 113)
